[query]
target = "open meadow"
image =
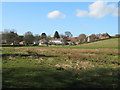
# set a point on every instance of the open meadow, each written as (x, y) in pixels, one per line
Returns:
(91, 65)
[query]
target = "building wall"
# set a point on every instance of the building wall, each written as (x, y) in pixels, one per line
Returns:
(56, 41)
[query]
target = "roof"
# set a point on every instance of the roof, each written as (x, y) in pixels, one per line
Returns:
(105, 34)
(72, 39)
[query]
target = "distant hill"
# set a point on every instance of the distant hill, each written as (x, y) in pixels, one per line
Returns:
(108, 43)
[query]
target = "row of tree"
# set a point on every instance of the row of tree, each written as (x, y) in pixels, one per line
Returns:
(10, 36)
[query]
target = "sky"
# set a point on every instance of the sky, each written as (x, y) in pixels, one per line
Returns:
(48, 17)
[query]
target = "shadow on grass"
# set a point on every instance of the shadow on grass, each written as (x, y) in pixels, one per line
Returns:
(51, 78)
(25, 55)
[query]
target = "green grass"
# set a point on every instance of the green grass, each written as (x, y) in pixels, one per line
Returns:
(109, 43)
(60, 67)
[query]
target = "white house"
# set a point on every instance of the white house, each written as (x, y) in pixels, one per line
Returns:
(36, 42)
(56, 41)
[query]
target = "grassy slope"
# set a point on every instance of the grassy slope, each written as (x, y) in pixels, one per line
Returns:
(109, 43)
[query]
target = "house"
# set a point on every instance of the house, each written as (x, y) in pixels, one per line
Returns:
(56, 41)
(22, 43)
(88, 39)
(14, 43)
(82, 40)
(91, 38)
(104, 36)
(72, 40)
(42, 42)
(36, 43)
(97, 36)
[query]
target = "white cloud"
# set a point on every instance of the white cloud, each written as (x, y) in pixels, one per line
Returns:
(99, 9)
(56, 14)
(82, 13)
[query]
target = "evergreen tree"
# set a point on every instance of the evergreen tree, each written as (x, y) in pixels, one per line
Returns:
(56, 35)
(43, 35)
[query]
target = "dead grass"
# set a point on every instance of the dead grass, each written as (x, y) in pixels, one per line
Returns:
(76, 65)
(65, 51)
(96, 51)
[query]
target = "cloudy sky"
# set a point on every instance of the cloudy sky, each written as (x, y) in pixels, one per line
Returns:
(76, 17)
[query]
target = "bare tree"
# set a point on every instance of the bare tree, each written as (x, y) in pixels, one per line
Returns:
(82, 38)
(28, 37)
(37, 37)
(92, 37)
(68, 34)
(10, 36)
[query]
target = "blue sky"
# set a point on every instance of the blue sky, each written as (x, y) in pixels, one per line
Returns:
(48, 17)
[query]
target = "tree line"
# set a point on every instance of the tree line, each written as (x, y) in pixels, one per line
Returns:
(10, 36)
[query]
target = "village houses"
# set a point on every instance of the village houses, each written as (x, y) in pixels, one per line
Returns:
(64, 40)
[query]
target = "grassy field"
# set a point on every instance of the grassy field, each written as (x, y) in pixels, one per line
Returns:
(92, 65)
